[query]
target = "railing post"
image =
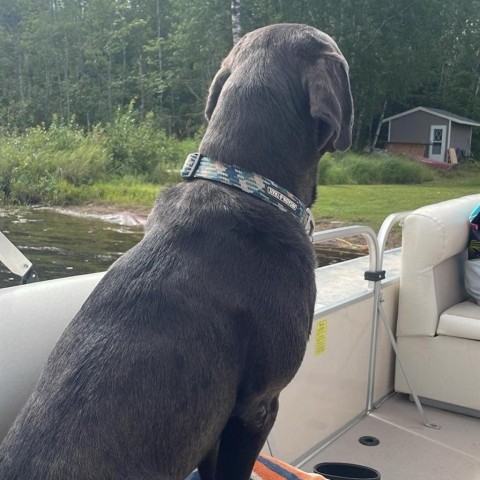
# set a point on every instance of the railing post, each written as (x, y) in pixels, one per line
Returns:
(375, 262)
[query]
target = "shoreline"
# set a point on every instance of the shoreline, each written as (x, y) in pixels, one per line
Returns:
(137, 216)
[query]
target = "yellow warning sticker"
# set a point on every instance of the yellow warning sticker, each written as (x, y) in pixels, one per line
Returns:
(320, 337)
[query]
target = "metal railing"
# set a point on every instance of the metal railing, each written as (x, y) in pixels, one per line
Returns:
(376, 249)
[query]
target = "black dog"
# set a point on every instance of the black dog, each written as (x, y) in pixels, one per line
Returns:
(178, 357)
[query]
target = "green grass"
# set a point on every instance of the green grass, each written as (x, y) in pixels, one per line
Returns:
(123, 193)
(142, 194)
(371, 204)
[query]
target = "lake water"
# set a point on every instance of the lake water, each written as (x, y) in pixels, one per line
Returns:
(61, 245)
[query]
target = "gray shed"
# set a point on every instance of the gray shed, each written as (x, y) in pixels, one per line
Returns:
(429, 133)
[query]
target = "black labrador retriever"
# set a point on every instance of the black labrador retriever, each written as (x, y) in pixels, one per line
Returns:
(178, 357)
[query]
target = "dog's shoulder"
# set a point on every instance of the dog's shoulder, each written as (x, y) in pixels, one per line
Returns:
(214, 213)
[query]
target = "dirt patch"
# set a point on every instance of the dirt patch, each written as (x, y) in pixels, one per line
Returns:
(108, 213)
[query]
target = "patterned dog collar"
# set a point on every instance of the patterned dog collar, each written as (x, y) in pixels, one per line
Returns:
(198, 166)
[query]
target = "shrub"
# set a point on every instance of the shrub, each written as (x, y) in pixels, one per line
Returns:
(331, 172)
(351, 168)
(34, 165)
(141, 149)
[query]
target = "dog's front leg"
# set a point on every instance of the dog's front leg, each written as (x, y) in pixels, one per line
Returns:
(242, 440)
(208, 465)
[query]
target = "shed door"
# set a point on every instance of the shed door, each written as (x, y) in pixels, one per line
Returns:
(438, 140)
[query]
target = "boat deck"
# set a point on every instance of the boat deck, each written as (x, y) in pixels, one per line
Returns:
(408, 449)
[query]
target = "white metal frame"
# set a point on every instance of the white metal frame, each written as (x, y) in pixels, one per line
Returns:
(376, 249)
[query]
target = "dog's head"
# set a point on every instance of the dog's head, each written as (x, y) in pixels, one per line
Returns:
(312, 60)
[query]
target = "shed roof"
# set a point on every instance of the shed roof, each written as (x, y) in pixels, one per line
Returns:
(439, 113)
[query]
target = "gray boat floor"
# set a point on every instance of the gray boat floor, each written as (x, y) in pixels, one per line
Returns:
(408, 449)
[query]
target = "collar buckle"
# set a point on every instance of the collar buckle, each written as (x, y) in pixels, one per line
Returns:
(190, 166)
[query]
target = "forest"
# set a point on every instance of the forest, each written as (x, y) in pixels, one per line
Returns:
(79, 61)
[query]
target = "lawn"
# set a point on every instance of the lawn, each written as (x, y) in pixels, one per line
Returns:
(370, 204)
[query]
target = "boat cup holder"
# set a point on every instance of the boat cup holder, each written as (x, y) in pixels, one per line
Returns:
(346, 471)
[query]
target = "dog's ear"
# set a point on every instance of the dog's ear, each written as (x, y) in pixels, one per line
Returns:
(330, 98)
(215, 90)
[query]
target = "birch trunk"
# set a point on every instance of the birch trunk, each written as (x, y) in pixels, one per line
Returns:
(160, 56)
(236, 21)
(67, 78)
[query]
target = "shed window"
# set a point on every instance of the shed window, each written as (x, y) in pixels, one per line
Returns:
(438, 135)
(437, 141)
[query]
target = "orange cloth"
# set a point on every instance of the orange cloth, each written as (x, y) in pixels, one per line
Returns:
(268, 468)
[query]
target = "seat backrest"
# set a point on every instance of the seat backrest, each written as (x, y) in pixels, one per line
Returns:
(434, 241)
(32, 318)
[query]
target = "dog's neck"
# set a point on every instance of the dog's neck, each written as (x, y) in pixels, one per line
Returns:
(199, 166)
(301, 184)
(289, 157)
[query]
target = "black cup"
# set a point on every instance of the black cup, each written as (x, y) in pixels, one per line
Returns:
(346, 471)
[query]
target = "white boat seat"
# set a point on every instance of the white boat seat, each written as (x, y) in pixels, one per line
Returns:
(32, 319)
(438, 326)
(461, 320)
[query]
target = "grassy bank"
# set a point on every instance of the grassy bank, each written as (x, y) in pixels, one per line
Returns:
(118, 192)
(363, 204)
(349, 204)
